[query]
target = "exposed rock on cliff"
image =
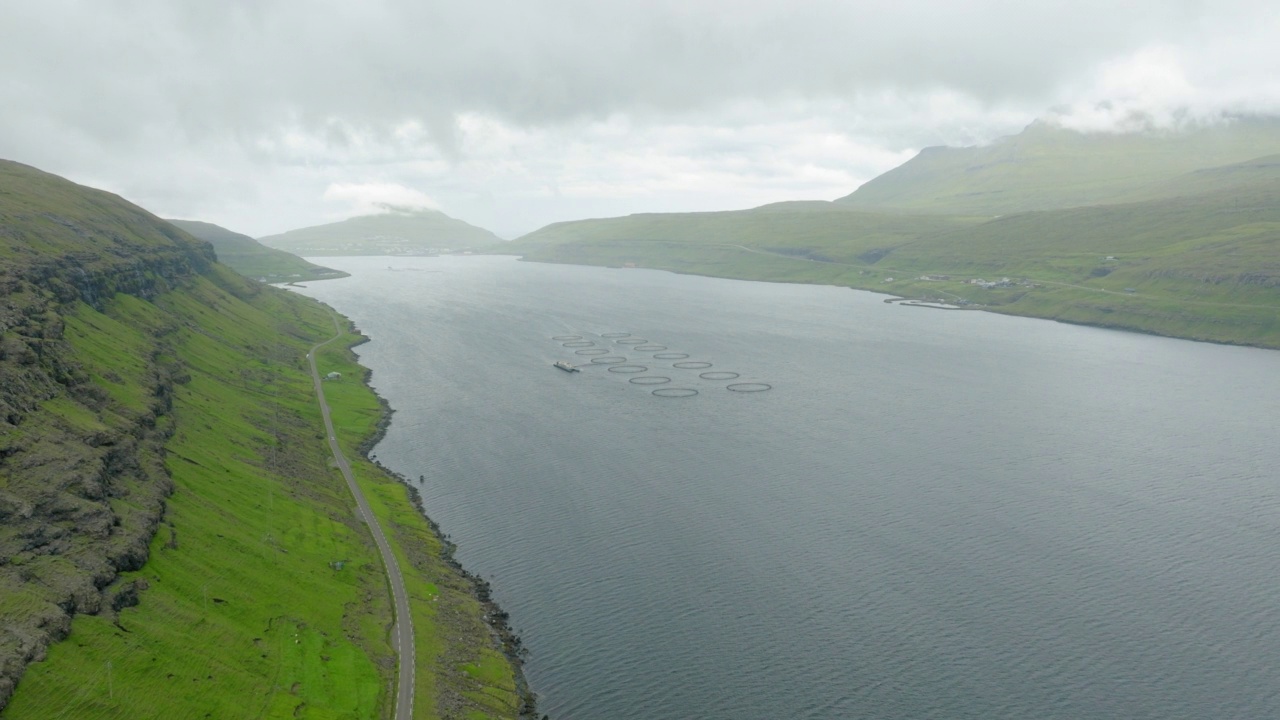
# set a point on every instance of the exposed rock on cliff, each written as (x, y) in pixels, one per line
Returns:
(82, 481)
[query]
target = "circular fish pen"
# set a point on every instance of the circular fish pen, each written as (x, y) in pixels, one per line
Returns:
(591, 351)
(749, 387)
(717, 375)
(650, 348)
(611, 360)
(698, 365)
(628, 369)
(632, 341)
(671, 356)
(675, 392)
(579, 343)
(615, 335)
(562, 338)
(650, 380)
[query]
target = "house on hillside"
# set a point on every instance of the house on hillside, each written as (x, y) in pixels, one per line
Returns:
(333, 376)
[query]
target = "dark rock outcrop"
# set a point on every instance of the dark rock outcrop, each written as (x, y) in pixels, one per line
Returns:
(82, 477)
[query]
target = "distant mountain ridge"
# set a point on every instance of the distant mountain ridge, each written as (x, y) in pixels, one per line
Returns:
(1170, 233)
(253, 259)
(1046, 167)
(420, 232)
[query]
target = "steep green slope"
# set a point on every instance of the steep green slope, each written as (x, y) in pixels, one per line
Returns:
(396, 233)
(1046, 167)
(147, 389)
(82, 484)
(63, 218)
(253, 259)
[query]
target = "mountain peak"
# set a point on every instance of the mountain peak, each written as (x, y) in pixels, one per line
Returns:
(417, 231)
(1047, 166)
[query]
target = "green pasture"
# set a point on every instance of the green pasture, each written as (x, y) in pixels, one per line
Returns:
(450, 636)
(264, 596)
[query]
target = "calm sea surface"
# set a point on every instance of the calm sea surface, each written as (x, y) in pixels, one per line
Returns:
(929, 514)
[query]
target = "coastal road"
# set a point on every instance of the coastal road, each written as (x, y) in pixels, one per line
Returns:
(402, 629)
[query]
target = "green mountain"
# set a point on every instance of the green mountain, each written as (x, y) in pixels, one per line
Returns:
(1047, 167)
(253, 259)
(174, 539)
(819, 231)
(1162, 245)
(421, 232)
(1242, 176)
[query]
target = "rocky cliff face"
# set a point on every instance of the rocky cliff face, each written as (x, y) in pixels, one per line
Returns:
(82, 480)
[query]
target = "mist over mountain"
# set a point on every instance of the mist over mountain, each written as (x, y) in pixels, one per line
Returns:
(513, 117)
(1047, 166)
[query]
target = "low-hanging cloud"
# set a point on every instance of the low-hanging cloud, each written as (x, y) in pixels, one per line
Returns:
(476, 103)
(378, 197)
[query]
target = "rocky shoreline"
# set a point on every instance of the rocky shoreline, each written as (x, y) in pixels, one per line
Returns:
(495, 617)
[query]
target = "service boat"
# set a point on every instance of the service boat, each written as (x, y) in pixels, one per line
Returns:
(567, 367)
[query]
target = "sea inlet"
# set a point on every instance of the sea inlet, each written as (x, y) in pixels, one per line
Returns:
(897, 513)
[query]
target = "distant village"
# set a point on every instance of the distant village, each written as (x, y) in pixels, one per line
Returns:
(375, 245)
(956, 300)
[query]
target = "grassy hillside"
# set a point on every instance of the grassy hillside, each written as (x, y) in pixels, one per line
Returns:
(169, 516)
(1202, 264)
(43, 217)
(810, 230)
(1202, 267)
(82, 481)
(253, 259)
(1046, 167)
(420, 232)
(1243, 177)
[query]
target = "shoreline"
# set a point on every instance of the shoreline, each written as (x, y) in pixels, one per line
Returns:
(896, 299)
(904, 301)
(497, 619)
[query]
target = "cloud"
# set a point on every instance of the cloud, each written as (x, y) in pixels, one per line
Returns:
(1208, 79)
(378, 197)
(515, 114)
(248, 68)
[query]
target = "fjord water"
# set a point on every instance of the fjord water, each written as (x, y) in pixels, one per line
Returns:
(931, 514)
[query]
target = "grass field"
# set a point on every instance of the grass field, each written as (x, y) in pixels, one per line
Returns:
(263, 596)
(449, 631)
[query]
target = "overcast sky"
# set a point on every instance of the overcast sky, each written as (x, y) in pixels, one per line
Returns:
(266, 115)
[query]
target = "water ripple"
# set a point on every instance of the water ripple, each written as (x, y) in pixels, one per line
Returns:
(936, 515)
